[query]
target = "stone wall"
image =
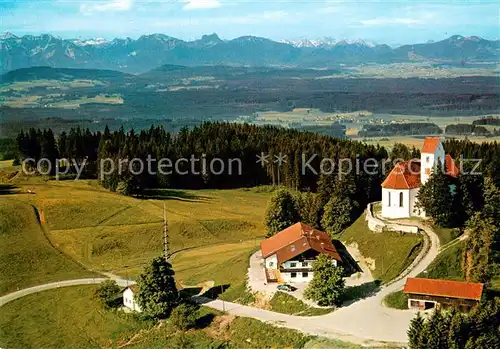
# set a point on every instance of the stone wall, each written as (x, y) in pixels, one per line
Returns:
(377, 225)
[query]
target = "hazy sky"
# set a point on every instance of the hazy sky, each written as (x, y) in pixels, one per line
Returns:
(390, 22)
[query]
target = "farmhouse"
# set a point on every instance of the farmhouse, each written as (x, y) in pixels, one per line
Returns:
(128, 298)
(400, 188)
(289, 254)
(442, 294)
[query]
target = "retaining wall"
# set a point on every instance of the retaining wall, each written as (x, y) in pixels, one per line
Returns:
(377, 225)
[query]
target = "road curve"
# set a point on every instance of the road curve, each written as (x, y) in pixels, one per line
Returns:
(76, 282)
(365, 322)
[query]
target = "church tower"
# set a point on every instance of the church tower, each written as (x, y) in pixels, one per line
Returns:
(432, 155)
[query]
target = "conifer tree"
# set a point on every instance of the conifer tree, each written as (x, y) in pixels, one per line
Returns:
(436, 199)
(415, 332)
(157, 295)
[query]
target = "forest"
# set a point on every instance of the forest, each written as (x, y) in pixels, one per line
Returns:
(406, 129)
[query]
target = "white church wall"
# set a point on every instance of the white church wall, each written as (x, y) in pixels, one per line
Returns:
(395, 203)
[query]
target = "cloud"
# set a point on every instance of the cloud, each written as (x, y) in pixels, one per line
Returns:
(201, 4)
(106, 6)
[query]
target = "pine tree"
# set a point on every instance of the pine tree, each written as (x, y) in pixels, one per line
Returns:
(157, 294)
(436, 199)
(457, 331)
(415, 332)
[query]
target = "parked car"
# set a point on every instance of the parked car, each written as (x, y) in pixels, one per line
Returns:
(286, 287)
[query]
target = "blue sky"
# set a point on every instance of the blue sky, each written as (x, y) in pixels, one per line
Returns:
(393, 22)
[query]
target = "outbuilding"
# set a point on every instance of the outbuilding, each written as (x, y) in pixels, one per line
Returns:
(426, 294)
(129, 298)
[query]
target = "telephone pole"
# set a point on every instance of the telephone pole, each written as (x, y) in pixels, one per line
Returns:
(165, 233)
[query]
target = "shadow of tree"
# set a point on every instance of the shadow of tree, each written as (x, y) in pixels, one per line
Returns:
(171, 194)
(216, 291)
(355, 293)
(188, 292)
(8, 189)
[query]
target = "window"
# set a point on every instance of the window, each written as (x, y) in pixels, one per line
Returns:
(389, 199)
(427, 159)
(305, 274)
(305, 264)
(293, 265)
(293, 275)
(401, 199)
(271, 264)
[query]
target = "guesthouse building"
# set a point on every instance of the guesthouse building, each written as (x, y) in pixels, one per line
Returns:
(288, 255)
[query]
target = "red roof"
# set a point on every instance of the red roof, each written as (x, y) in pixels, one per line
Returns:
(430, 144)
(451, 168)
(444, 288)
(405, 175)
(295, 240)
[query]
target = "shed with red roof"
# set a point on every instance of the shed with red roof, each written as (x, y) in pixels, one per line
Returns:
(432, 293)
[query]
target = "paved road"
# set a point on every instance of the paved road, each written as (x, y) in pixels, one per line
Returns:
(24, 292)
(364, 322)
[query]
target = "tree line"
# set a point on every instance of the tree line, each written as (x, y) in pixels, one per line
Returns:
(453, 330)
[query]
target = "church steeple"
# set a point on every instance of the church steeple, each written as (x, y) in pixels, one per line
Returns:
(431, 156)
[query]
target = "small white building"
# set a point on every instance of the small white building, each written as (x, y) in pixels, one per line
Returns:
(288, 255)
(400, 188)
(128, 298)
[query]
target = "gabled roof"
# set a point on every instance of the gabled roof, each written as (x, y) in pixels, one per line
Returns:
(134, 288)
(444, 288)
(405, 175)
(297, 239)
(430, 144)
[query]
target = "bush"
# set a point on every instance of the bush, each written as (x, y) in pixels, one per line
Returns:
(184, 316)
(397, 300)
(107, 293)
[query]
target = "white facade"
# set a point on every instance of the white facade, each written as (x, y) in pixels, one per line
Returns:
(271, 262)
(430, 160)
(396, 203)
(293, 271)
(128, 300)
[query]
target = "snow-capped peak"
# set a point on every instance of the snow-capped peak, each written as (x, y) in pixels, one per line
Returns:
(327, 42)
(90, 42)
(7, 35)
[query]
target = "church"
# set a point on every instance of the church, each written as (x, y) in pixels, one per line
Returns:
(400, 188)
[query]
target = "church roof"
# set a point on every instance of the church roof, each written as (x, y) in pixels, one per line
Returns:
(405, 175)
(430, 144)
(451, 167)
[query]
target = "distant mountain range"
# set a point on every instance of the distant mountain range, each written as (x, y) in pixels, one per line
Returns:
(151, 51)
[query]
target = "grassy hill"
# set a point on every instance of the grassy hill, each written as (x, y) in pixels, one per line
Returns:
(27, 257)
(70, 317)
(388, 253)
(211, 232)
